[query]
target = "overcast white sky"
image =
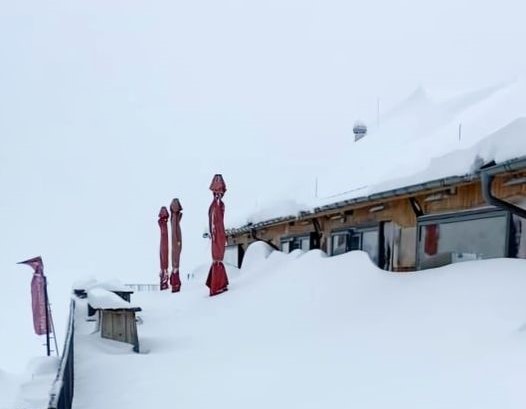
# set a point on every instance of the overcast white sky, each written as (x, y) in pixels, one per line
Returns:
(108, 109)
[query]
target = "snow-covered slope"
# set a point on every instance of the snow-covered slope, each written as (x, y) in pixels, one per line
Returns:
(307, 331)
(9, 385)
(36, 383)
(31, 389)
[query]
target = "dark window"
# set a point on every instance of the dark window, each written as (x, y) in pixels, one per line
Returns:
(295, 245)
(355, 242)
(462, 238)
(339, 243)
(356, 239)
(517, 237)
(370, 244)
(304, 243)
(285, 246)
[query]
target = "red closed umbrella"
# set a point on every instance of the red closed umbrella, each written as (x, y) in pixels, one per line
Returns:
(217, 279)
(163, 251)
(177, 243)
(431, 241)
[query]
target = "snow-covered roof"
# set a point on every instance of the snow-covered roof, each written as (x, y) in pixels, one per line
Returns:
(422, 139)
(110, 285)
(100, 298)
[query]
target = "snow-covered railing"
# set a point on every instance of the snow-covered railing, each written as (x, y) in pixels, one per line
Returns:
(61, 396)
(143, 287)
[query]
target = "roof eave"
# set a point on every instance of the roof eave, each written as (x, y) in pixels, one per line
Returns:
(507, 166)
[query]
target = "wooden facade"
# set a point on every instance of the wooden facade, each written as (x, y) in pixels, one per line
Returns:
(120, 325)
(393, 219)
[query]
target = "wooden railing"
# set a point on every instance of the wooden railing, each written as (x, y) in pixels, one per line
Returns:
(61, 396)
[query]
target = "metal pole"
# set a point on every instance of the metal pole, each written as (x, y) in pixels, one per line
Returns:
(53, 331)
(46, 301)
(378, 112)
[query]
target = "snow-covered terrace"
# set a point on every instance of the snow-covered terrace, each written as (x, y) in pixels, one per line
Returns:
(303, 330)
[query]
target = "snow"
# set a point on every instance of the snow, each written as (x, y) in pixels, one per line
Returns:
(100, 298)
(34, 390)
(256, 254)
(303, 330)
(404, 148)
(200, 273)
(416, 142)
(109, 285)
(31, 389)
(98, 97)
(9, 385)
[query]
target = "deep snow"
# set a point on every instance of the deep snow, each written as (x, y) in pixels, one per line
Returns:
(422, 139)
(308, 331)
(31, 389)
(9, 385)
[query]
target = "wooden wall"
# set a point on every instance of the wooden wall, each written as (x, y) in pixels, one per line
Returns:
(464, 196)
(119, 325)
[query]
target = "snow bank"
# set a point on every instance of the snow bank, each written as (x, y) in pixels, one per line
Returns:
(36, 383)
(100, 298)
(200, 273)
(256, 253)
(9, 385)
(109, 285)
(305, 330)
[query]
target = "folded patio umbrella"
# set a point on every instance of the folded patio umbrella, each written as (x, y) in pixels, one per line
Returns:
(163, 251)
(217, 279)
(177, 243)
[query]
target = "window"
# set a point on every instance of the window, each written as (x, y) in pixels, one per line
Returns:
(517, 237)
(370, 244)
(285, 246)
(304, 243)
(339, 243)
(365, 239)
(469, 237)
(355, 241)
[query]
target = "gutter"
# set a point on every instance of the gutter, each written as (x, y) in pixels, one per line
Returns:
(486, 179)
(412, 189)
(507, 166)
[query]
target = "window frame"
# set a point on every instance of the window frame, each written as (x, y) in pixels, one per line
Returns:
(294, 241)
(463, 216)
(340, 232)
(357, 230)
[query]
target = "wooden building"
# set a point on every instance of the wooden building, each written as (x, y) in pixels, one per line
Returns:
(81, 289)
(116, 317)
(457, 218)
(120, 325)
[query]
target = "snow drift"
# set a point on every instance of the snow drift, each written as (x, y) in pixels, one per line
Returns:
(304, 330)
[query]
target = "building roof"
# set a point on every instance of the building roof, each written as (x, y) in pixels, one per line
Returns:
(421, 144)
(102, 299)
